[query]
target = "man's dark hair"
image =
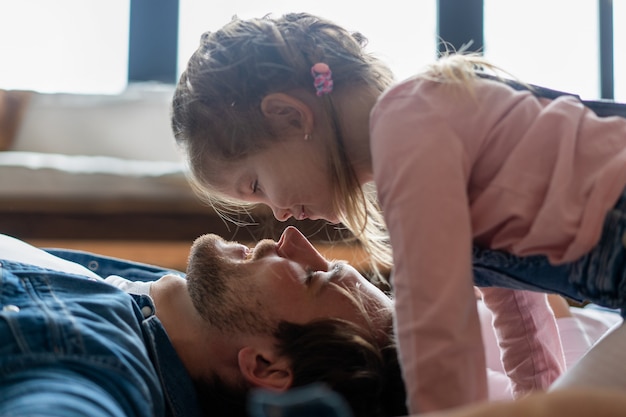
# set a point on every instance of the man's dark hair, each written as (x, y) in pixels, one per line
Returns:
(331, 351)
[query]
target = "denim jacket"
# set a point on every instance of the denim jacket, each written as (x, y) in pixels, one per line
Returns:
(80, 346)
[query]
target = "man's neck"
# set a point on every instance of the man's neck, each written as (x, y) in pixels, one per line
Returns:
(202, 349)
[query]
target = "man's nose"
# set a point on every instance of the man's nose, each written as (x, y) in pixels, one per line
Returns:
(296, 247)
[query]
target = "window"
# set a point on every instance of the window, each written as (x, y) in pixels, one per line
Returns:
(64, 45)
(402, 34)
(82, 45)
(619, 48)
(551, 43)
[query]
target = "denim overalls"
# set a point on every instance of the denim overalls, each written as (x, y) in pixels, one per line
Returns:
(598, 277)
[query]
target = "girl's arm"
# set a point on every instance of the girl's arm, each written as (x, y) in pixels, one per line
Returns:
(422, 181)
(532, 354)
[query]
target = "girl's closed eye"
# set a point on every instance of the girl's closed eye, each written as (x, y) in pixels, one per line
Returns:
(255, 186)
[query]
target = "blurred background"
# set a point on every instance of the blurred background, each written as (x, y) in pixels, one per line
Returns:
(101, 45)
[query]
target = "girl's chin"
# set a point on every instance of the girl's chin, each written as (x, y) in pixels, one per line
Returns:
(331, 220)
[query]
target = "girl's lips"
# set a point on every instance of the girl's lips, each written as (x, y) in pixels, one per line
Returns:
(302, 215)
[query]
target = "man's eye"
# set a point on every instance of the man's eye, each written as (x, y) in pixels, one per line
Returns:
(309, 276)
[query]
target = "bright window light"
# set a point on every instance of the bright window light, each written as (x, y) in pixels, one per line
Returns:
(81, 46)
(402, 34)
(551, 43)
(619, 48)
(73, 46)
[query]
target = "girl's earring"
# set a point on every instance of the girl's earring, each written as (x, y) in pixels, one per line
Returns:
(307, 136)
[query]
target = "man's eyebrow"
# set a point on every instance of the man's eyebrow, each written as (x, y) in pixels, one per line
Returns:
(337, 267)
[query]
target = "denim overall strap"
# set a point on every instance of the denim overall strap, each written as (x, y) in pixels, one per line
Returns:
(602, 108)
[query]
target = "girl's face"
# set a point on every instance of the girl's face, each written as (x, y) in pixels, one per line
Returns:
(292, 177)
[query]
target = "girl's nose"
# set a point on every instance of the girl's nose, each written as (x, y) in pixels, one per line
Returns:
(294, 246)
(281, 214)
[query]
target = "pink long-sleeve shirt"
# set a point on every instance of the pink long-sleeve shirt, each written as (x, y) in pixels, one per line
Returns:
(503, 169)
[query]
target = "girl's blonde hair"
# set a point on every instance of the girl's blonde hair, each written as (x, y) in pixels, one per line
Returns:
(461, 69)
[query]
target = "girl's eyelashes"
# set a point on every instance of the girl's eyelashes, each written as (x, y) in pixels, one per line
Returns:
(255, 186)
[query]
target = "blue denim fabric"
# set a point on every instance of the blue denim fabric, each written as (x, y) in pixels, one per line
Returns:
(72, 346)
(598, 277)
(314, 400)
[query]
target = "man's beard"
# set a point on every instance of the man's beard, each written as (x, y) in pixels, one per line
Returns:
(220, 292)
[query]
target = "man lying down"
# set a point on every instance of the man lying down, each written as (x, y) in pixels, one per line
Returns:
(87, 335)
(84, 334)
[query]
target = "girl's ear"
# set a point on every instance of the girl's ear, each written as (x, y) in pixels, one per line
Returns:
(284, 110)
(264, 369)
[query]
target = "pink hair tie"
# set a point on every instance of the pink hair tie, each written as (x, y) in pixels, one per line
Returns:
(322, 78)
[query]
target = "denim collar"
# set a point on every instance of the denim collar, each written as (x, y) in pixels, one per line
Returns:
(178, 388)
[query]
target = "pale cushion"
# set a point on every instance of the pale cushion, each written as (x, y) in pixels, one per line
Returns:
(133, 125)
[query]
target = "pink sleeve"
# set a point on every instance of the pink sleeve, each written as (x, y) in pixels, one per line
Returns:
(528, 337)
(424, 201)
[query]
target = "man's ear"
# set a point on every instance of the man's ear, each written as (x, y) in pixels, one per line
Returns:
(284, 110)
(264, 369)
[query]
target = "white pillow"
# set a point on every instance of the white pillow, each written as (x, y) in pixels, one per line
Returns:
(132, 125)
